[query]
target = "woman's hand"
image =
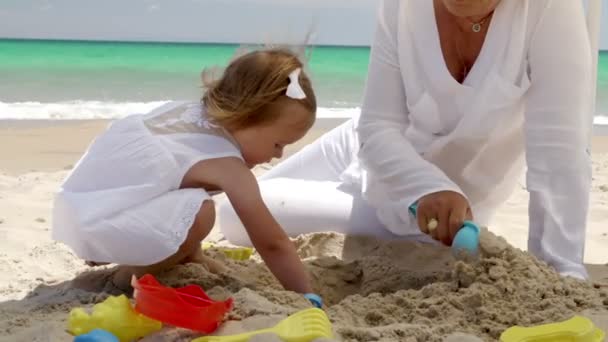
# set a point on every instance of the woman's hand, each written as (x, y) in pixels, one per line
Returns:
(441, 214)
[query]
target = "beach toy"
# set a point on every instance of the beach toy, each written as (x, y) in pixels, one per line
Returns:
(186, 307)
(314, 299)
(466, 240)
(116, 316)
(413, 209)
(303, 326)
(238, 253)
(97, 335)
(576, 329)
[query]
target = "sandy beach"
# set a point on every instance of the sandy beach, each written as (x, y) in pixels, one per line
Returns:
(374, 290)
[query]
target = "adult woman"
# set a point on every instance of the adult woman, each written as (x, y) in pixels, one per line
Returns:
(460, 95)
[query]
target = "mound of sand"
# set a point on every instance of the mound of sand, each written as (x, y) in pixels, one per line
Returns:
(394, 291)
(403, 291)
(374, 291)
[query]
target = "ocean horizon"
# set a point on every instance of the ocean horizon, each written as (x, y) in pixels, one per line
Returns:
(77, 79)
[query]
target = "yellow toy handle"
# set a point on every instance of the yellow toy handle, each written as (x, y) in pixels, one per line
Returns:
(576, 329)
(244, 337)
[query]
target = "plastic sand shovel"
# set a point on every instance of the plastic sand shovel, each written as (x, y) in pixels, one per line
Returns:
(466, 240)
(239, 253)
(303, 326)
(576, 329)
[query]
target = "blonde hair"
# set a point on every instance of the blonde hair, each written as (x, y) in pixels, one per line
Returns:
(244, 94)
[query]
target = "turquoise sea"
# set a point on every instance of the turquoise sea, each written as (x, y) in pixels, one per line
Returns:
(84, 79)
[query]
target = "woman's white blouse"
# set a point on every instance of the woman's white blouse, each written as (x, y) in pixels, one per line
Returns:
(526, 101)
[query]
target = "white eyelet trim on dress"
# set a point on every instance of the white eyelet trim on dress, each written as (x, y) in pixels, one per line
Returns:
(186, 221)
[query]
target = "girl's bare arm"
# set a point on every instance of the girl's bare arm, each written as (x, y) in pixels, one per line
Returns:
(240, 185)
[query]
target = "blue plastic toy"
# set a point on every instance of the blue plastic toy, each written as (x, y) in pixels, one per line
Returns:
(466, 240)
(315, 300)
(413, 208)
(97, 335)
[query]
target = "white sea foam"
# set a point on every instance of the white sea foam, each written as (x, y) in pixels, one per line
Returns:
(79, 110)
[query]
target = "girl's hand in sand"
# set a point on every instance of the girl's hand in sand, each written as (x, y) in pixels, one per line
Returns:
(441, 214)
(274, 246)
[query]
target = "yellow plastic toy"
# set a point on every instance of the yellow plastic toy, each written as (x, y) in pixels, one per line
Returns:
(238, 253)
(303, 326)
(576, 329)
(115, 315)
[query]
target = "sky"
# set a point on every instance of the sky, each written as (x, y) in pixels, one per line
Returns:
(334, 22)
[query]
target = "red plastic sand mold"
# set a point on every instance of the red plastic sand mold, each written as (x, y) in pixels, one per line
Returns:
(186, 307)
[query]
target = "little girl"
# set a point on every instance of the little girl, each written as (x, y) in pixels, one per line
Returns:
(140, 196)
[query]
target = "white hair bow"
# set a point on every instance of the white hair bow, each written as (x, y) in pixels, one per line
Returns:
(294, 90)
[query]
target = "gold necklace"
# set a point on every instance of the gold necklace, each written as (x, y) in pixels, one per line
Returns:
(476, 26)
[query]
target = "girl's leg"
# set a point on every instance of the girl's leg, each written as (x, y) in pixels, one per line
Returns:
(189, 251)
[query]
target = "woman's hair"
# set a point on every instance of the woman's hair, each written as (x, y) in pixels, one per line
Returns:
(245, 92)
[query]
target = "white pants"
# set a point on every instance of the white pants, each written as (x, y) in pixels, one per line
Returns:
(305, 195)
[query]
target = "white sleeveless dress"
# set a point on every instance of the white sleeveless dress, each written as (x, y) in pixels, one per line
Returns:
(122, 203)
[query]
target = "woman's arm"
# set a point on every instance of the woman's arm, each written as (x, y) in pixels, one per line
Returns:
(385, 152)
(557, 127)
